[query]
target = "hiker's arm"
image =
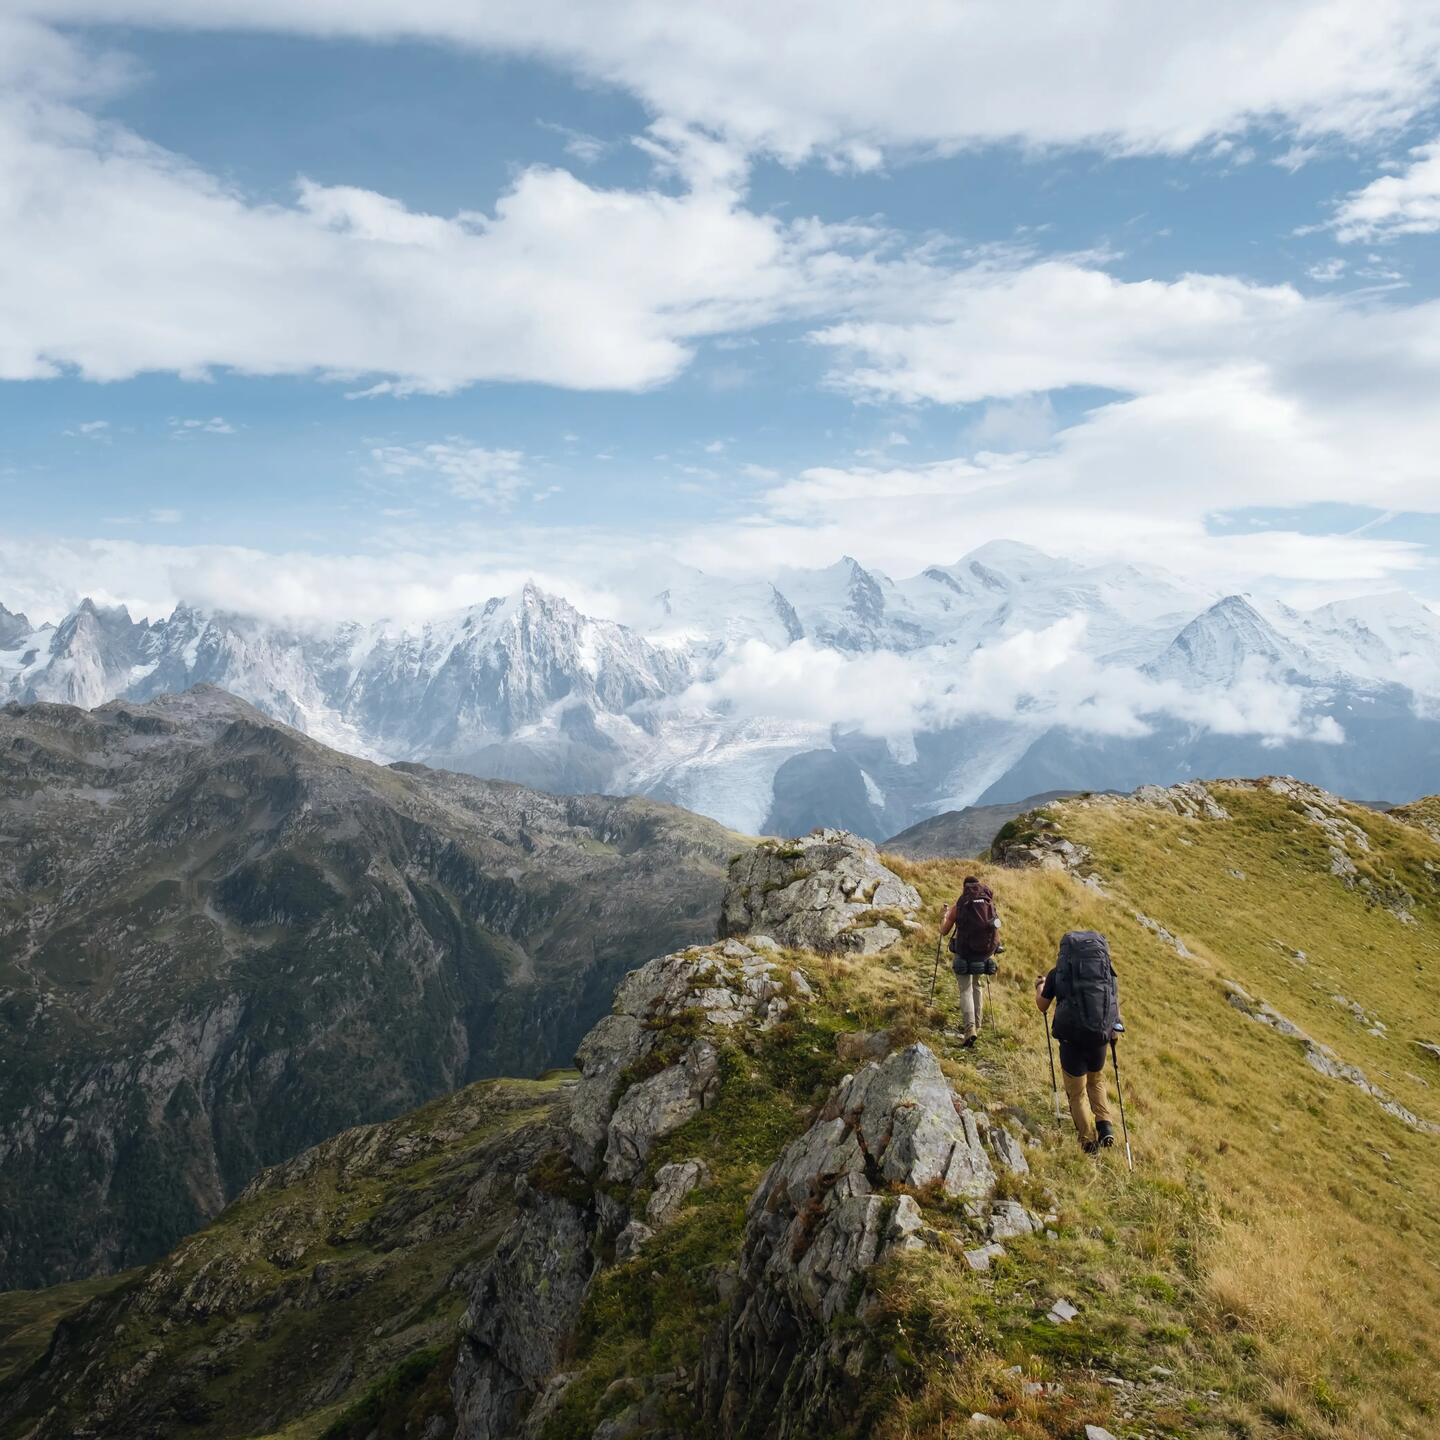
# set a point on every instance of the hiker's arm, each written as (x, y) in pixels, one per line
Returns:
(948, 923)
(1042, 985)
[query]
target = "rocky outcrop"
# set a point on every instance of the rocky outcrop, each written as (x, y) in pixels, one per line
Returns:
(783, 1364)
(1034, 842)
(827, 891)
(645, 1069)
(672, 1187)
(522, 1308)
(1191, 799)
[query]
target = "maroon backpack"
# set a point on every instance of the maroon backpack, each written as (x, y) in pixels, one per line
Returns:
(976, 931)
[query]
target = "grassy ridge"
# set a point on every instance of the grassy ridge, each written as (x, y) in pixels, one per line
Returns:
(1270, 1269)
(1279, 1245)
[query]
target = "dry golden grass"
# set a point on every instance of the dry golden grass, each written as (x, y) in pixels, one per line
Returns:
(1279, 1242)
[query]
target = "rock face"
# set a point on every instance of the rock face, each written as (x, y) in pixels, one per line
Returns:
(827, 891)
(821, 1218)
(221, 942)
(645, 1070)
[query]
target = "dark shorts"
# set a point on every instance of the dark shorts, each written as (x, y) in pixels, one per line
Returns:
(1083, 1057)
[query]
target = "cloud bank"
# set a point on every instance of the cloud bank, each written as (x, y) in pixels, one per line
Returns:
(1038, 677)
(850, 79)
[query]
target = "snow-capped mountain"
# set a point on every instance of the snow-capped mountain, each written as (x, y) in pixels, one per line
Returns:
(833, 695)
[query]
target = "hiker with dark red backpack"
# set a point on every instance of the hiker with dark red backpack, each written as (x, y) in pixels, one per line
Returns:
(974, 943)
(1087, 1021)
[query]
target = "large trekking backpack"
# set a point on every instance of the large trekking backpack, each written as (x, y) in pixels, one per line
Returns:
(976, 923)
(1088, 1000)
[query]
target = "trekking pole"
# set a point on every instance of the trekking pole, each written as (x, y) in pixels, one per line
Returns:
(1054, 1084)
(935, 973)
(1120, 1096)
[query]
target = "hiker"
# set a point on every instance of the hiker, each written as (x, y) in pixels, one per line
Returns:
(1087, 1020)
(973, 947)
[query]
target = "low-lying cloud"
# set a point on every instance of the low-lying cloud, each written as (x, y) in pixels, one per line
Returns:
(1039, 678)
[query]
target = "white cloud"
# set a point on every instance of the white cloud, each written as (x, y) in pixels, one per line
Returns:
(850, 78)
(407, 583)
(469, 472)
(91, 430)
(1227, 395)
(582, 146)
(164, 515)
(1043, 675)
(215, 425)
(119, 258)
(1326, 272)
(1403, 204)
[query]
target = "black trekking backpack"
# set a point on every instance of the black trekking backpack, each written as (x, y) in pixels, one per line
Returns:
(977, 933)
(1087, 996)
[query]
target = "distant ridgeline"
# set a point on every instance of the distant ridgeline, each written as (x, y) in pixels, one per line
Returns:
(776, 1199)
(527, 688)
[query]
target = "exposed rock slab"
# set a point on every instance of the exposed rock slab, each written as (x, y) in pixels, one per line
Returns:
(780, 1366)
(827, 891)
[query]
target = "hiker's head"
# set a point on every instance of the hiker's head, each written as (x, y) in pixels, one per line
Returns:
(971, 881)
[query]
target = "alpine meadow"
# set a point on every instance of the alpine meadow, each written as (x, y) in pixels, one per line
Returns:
(719, 722)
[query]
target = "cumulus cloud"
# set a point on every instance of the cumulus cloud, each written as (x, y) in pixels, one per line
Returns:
(850, 79)
(119, 258)
(1403, 204)
(1040, 677)
(215, 425)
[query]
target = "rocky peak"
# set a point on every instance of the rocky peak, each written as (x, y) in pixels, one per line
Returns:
(827, 891)
(14, 627)
(646, 1069)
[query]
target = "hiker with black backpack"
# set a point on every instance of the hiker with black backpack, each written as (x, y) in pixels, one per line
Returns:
(1087, 1022)
(973, 947)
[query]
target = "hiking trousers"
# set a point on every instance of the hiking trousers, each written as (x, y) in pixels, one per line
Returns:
(972, 1001)
(1079, 1088)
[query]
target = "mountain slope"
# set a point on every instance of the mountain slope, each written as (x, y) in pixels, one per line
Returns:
(221, 941)
(963, 832)
(1006, 673)
(781, 1201)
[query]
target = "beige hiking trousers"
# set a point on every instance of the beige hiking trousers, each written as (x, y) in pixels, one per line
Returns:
(972, 1002)
(1077, 1089)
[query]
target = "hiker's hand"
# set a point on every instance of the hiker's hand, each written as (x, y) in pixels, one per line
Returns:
(1116, 1033)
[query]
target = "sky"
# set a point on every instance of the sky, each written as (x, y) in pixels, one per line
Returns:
(352, 307)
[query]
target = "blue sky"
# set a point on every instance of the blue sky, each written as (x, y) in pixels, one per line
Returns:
(404, 306)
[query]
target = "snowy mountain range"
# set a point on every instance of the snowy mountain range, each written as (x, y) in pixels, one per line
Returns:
(830, 696)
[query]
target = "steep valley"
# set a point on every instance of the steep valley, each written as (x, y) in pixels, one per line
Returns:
(221, 942)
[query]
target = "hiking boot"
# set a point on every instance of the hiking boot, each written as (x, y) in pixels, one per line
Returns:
(969, 1041)
(1090, 1146)
(1104, 1134)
